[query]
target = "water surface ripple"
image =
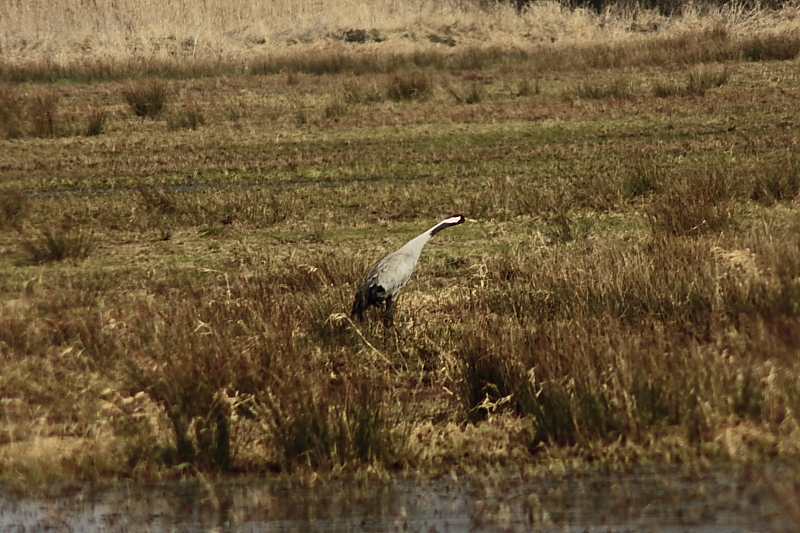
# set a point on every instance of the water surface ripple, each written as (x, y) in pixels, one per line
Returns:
(720, 500)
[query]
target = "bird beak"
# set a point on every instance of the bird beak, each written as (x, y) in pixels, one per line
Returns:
(470, 220)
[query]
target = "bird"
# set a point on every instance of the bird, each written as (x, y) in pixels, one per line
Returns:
(384, 280)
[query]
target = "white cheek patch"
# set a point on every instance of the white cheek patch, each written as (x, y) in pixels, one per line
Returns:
(457, 219)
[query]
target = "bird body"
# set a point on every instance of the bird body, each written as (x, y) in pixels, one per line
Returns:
(384, 281)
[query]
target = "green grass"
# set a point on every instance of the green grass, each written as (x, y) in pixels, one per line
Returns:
(626, 294)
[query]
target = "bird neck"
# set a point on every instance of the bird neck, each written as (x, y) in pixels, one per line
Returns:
(419, 241)
(439, 227)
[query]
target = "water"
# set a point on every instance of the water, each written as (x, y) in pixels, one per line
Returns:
(728, 500)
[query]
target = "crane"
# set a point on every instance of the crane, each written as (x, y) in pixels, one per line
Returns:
(384, 281)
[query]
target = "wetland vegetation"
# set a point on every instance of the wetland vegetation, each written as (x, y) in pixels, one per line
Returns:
(185, 212)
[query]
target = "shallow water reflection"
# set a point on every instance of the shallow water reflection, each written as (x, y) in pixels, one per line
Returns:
(721, 500)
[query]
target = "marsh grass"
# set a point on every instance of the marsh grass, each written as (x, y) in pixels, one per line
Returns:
(168, 208)
(34, 113)
(43, 114)
(525, 88)
(695, 204)
(13, 208)
(642, 390)
(617, 89)
(415, 85)
(302, 113)
(11, 111)
(335, 108)
(777, 181)
(59, 245)
(236, 109)
(776, 47)
(342, 424)
(250, 367)
(146, 98)
(357, 92)
(158, 199)
(703, 79)
(326, 62)
(472, 96)
(698, 81)
(420, 33)
(645, 177)
(96, 121)
(189, 117)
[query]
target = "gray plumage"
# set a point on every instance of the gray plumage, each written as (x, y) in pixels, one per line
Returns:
(384, 281)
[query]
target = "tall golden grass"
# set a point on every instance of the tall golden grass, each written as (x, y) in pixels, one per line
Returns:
(66, 32)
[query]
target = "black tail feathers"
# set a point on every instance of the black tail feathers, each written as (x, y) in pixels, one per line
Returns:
(360, 304)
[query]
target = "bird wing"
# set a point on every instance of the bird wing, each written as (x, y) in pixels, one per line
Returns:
(392, 272)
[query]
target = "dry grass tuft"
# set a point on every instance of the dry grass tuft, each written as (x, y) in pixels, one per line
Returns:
(415, 85)
(472, 96)
(96, 122)
(777, 181)
(58, 245)
(43, 114)
(158, 199)
(524, 88)
(339, 425)
(703, 79)
(13, 208)
(335, 108)
(11, 112)
(775, 47)
(189, 117)
(35, 114)
(617, 89)
(694, 204)
(699, 80)
(146, 98)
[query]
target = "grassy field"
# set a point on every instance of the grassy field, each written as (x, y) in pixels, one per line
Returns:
(181, 237)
